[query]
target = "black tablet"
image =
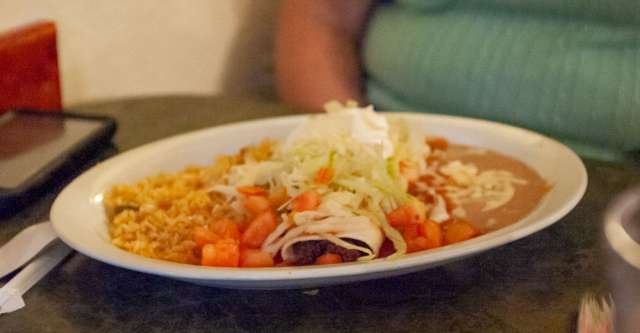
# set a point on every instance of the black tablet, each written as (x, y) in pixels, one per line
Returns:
(35, 146)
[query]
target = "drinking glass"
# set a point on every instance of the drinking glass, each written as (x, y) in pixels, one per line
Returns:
(622, 235)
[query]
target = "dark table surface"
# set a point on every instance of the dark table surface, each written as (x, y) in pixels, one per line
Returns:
(531, 285)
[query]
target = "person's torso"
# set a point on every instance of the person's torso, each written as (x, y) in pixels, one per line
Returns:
(565, 68)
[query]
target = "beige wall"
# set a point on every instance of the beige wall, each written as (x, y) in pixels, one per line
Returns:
(118, 48)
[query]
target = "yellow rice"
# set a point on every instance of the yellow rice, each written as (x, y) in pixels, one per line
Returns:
(155, 217)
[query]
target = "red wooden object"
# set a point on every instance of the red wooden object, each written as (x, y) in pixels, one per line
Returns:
(29, 75)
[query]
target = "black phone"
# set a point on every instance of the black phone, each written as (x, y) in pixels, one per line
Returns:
(35, 146)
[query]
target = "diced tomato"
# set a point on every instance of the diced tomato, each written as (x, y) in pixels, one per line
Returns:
(432, 159)
(225, 228)
(242, 225)
(404, 215)
(426, 197)
(255, 258)
(328, 258)
(259, 229)
(224, 253)
(410, 231)
(278, 196)
(324, 176)
(417, 244)
(202, 236)
(252, 190)
(458, 230)
(257, 204)
(438, 143)
(309, 200)
(432, 231)
(400, 216)
(427, 179)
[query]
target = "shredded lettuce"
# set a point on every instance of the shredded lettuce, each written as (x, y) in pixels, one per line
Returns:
(366, 181)
(359, 170)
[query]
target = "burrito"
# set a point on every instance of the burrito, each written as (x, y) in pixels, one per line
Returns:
(332, 228)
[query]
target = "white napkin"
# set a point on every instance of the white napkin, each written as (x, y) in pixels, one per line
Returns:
(11, 293)
(25, 246)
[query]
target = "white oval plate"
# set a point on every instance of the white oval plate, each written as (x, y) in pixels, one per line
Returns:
(79, 219)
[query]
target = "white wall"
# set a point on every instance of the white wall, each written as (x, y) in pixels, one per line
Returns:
(118, 48)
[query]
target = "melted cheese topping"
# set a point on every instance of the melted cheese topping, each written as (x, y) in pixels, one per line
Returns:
(494, 187)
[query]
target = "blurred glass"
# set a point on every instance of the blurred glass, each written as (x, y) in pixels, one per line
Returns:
(622, 234)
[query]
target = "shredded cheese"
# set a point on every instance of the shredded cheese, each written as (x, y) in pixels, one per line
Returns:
(494, 187)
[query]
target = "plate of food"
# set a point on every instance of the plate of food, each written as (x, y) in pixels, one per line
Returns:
(311, 200)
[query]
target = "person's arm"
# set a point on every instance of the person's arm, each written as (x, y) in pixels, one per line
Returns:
(317, 51)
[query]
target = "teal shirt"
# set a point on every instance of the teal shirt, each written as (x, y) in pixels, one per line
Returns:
(568, 69)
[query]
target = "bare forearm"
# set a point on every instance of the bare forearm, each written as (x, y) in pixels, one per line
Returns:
(317, 51)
